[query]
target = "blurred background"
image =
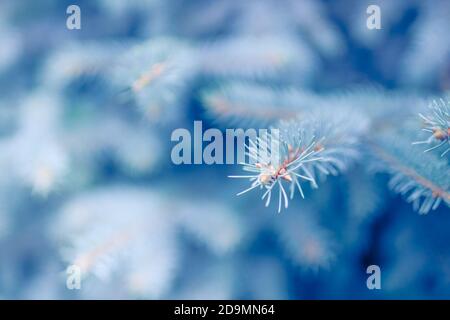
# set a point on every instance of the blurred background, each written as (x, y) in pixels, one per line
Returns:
(85, 171)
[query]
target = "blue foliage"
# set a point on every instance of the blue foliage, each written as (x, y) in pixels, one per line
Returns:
(86, 177)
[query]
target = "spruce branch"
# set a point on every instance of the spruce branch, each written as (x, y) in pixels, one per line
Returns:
(76, 60)
(308, 244)
(423, 177)
(122, 227)
(157, 75)
(102, 240)
(316, 145)
(437, 123)
(253, 104)
(266, 174)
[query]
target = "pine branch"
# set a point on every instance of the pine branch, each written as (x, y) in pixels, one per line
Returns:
(157, 74)
(253, 56)
(75, 60)
(437, 122)
(428, 53)
(311, 147)
(121, 228)
(423, 177)
(252, 104)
